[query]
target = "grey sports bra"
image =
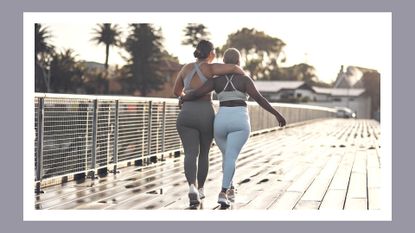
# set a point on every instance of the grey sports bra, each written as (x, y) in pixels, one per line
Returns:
(189, 77)
(235, 94)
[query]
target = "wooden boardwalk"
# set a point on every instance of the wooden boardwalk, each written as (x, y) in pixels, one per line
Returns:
(327, 164)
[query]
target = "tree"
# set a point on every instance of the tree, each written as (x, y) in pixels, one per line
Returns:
(109, 35)
(43, 52)
(95, 81)
(194, 33)
(144, 44)
(65, 73)
(259, 50)
(371, 83)
(299, 72)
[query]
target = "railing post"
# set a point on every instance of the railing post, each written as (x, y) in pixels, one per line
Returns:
(150, 106)
(94, 138)
(39, 158)
(115, 156)
(163, 135)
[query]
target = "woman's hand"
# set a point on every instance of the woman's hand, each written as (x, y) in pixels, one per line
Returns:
(281, 120)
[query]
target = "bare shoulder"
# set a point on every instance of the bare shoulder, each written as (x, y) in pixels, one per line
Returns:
(206, 69)
(187, 66)
(205, 66)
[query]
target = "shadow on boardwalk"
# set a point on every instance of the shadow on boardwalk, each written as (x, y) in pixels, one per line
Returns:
(328, 164)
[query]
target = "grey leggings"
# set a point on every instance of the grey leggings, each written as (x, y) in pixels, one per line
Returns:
(195, 127)
(232, 129)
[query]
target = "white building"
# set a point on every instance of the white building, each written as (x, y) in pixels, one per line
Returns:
(284, 91)
(354, 98)
(300, 92)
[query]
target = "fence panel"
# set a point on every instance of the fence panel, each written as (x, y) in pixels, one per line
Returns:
(125, 129)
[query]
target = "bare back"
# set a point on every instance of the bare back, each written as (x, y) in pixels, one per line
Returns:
(194, 77)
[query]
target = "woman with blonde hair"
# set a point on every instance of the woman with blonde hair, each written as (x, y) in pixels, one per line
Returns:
(231, 124)
(195, 120)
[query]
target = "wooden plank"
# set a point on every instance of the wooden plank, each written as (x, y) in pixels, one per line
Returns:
(289, 199)
(356, 204)
(341, 178)
(304, 181)
(375, 201)
(321, 183)
(374, 175)
(265, 197)
(286, 201)
(360, 162)
(307, 205)
(358, 179)
(93, 206)
(292, 171)
(357, 186)
(334, 199)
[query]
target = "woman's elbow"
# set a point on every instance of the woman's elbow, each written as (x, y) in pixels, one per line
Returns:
(177, 93)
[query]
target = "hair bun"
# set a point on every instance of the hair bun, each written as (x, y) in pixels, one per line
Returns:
(203, 49)
(196, 53)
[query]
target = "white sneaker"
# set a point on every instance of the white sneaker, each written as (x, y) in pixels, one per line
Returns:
(194, 197)
(201, 193)
(223, 200)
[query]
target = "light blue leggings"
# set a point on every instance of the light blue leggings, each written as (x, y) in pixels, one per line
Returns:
(231, 131)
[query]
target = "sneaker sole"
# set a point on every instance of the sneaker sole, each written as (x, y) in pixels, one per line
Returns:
(224, 204)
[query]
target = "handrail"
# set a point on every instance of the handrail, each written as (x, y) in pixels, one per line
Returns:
(81, 134)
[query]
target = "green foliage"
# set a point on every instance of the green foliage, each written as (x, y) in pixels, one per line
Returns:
(94, 81)
(65, 73)
(144, 44)
(42, 47)
(260, 51)
(193, 33)
(43, 52)
(371, 82)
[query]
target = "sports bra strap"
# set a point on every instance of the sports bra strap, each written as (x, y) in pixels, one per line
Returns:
(189, 77)
(229, 81)
(199, 73)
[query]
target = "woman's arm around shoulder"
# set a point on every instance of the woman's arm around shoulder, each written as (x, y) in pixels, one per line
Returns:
(207, 87)
(222, 69)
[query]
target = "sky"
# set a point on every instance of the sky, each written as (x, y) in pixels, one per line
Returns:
(323, 40)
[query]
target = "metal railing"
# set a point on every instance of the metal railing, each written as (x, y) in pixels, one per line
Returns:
(77, 134)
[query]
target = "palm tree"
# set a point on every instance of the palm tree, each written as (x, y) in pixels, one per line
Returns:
(66, 72)
(109, 35)
(43, 53)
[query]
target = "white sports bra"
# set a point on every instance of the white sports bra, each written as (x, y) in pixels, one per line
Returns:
(189, 77)
(233, 94)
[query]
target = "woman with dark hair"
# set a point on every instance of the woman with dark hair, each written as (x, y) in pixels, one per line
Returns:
(231, 124)
(195, 120)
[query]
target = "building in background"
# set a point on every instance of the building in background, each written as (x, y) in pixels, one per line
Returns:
(300, 92)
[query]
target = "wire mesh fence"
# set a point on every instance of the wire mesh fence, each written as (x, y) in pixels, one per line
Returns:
(79, 133)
